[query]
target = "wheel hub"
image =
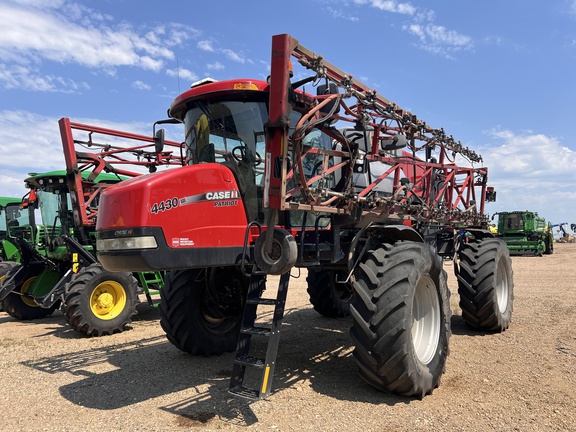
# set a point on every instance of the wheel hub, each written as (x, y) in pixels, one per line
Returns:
(108, 300)
(105, 300)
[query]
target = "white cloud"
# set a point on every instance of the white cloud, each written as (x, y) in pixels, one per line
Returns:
(215, 66)
(432, 37)
(340, 14)
(140, 85)
(438, 39)
(25, 133)
(35, 31)
(531, 171)
(182, 73)
(208, 46)
(389, 6)
(234, 56)
(16, 77)
(205, 45)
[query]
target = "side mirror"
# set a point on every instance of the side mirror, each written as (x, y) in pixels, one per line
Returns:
(396, 142)
(159, 140)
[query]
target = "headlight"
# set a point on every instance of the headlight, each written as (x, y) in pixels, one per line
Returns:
(126, 243)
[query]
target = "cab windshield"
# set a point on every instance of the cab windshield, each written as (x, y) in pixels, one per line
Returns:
(12, 216)
(231, 133)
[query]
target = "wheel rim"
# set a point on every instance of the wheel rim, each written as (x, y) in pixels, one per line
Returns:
(108, 300)
(275, 254)
(502, 287)
(426, 320)
(25, 286)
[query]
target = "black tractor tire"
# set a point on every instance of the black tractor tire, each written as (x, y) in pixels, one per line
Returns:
(5, 267)
(486, 285)
(329, 298)
(401, 319)
(19, 307)
(201, 309)
(98, 302)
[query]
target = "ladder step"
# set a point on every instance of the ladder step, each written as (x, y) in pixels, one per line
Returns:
(261, 331)
(262, 301)
(250, 361)
(245, 393)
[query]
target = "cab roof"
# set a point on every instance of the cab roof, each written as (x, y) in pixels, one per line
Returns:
(243, 87)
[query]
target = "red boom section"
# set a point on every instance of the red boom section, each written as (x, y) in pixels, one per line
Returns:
(427, 183)
(100, 150)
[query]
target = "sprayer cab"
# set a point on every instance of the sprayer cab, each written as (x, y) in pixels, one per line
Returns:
(195, 216)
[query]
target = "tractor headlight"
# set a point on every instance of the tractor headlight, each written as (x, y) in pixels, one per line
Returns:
(126, 243)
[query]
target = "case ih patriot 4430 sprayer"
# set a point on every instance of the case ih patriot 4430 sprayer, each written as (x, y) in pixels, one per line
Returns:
(344, 183)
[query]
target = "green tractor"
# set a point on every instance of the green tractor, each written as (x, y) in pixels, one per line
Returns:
(59, 267)
(10, 217)
(15, 221)
(524, 232)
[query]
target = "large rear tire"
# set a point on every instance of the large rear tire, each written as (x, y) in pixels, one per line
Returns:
(201, 309)
(329, 298)
(486, 285)
(401, 319)
(98, 302)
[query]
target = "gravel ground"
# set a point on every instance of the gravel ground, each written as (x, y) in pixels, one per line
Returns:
(524, 379)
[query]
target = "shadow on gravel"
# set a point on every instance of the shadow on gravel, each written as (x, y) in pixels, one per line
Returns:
(55, 317)
(314, 351)
(460, 328)
(144, 312)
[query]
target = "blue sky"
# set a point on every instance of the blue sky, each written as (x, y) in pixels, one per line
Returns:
(498, 75)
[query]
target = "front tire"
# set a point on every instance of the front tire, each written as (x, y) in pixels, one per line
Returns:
(99, 302)
(201, 309)
(401, 319)
(486, 285)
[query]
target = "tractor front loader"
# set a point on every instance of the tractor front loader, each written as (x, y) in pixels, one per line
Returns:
(61, 267)
(344, 183)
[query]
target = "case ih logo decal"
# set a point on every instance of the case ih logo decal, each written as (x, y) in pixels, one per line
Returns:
(220, 198)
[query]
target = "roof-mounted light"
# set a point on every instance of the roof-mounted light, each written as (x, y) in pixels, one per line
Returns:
(245, 86)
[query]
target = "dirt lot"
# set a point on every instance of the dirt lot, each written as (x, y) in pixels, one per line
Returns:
(523, 379)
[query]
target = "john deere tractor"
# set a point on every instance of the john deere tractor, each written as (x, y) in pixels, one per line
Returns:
(59, 266)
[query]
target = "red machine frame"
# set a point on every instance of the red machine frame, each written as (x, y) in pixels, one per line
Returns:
(455, 201)
(109, 158)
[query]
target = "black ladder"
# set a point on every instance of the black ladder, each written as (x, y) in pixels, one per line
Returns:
(252, 365)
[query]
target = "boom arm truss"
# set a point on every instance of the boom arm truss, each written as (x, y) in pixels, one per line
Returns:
(424, 188)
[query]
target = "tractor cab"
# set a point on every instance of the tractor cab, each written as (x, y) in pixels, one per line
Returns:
(51, 195)
(224, 123)
(15, 221)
